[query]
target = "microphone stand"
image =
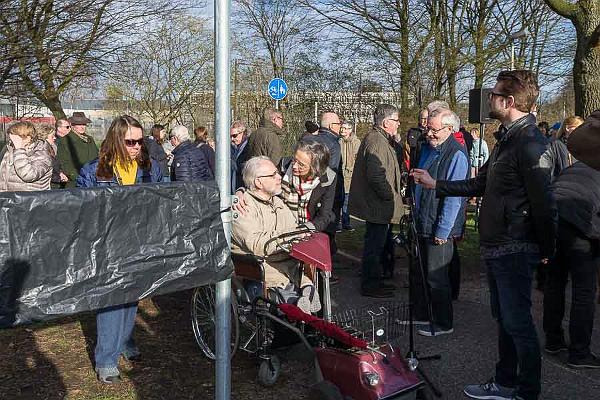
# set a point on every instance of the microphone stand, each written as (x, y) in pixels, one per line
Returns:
(411, 245)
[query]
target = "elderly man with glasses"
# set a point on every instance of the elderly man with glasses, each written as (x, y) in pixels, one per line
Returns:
(375, 196)
(438, 221)
(266, 218)
(239, 139)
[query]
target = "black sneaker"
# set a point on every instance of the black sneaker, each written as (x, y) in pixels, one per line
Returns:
(555, 348)
(589, 361)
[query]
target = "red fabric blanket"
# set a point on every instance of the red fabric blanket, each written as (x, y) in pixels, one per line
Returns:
(328, 329)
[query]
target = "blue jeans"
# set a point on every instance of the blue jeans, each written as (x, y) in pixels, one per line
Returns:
(345, 214)
(519, 366)
(114, 326)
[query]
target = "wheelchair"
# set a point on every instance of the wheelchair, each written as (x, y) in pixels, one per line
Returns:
(257, 327)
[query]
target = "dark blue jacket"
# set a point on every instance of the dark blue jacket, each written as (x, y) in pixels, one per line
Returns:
(190, 164)
(441, 217)
(332, 141)
(87, 175)
(157, 153)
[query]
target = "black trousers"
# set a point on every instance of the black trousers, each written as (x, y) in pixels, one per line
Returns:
(579, 257)
(436, 261)
(373, 250)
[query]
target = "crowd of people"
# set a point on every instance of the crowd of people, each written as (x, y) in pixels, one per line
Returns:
(539, 210)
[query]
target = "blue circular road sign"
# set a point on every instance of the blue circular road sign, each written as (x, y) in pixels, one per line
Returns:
(278, 89)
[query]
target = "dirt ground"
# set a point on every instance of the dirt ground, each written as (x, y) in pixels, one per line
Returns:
(54, 360)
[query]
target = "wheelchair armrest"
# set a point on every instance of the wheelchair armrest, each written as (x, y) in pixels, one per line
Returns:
(248, 266)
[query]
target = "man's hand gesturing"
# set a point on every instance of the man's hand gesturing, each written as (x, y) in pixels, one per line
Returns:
(423, 178)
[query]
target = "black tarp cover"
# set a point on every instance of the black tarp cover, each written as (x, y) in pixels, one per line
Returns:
(67, 251)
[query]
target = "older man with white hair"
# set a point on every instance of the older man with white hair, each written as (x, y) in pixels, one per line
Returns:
(266, 218)
(189, 162)
(438, 221)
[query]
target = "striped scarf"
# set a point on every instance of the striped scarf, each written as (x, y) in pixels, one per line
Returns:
(296, 194)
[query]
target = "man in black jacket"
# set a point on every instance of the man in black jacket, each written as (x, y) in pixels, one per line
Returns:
(189, 162)
(416, 138)
(517, 230)
(577, 193)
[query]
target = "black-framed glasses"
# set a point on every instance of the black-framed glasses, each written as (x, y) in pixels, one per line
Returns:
(273, 175)
(492, 94)
(392, 119)
(133, 142)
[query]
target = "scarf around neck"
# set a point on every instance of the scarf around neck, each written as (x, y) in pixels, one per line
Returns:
(296, 194)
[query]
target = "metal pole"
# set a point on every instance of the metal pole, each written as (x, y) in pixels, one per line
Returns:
(223, 156)
(316, 112)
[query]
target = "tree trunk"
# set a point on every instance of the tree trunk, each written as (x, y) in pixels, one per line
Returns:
(52, 101)
(586, 67)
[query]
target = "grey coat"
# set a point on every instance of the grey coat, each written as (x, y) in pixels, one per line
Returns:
(376, 181)
(27, 169)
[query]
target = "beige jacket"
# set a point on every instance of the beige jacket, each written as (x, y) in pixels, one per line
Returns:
(27, 169)
(264, 221)
(349, 149)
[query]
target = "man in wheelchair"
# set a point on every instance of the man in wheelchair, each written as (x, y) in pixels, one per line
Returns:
(257, 230)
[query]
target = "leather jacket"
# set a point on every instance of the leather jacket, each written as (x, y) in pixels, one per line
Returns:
(517, 203)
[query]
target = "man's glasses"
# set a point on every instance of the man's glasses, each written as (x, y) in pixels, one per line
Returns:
(273, 175)
(392, 119)
(492, 94)
(133, 142)
(66, 126)
(434, 131)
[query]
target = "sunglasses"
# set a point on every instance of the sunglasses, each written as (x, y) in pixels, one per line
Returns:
(133, 142)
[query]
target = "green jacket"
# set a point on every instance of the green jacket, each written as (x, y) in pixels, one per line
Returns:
(266, 142)
(375, 195)
(73, 152)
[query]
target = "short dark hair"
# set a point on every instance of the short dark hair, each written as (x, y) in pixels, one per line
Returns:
(522, 85)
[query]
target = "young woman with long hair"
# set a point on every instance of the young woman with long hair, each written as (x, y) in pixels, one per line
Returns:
(123, 160)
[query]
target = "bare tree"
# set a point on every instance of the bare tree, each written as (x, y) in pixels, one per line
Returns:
(53, 43)
(279, 25)
(394, 27)
(161, 78)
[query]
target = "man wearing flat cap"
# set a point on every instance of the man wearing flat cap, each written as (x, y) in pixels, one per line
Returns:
(76, 148)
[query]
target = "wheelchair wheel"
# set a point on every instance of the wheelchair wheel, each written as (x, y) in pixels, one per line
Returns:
(269, 371)
(203, 320)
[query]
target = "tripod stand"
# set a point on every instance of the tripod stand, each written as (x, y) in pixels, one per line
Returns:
(411, 244)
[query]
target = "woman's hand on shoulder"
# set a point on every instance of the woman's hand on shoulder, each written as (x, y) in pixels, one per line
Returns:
(240, 205)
